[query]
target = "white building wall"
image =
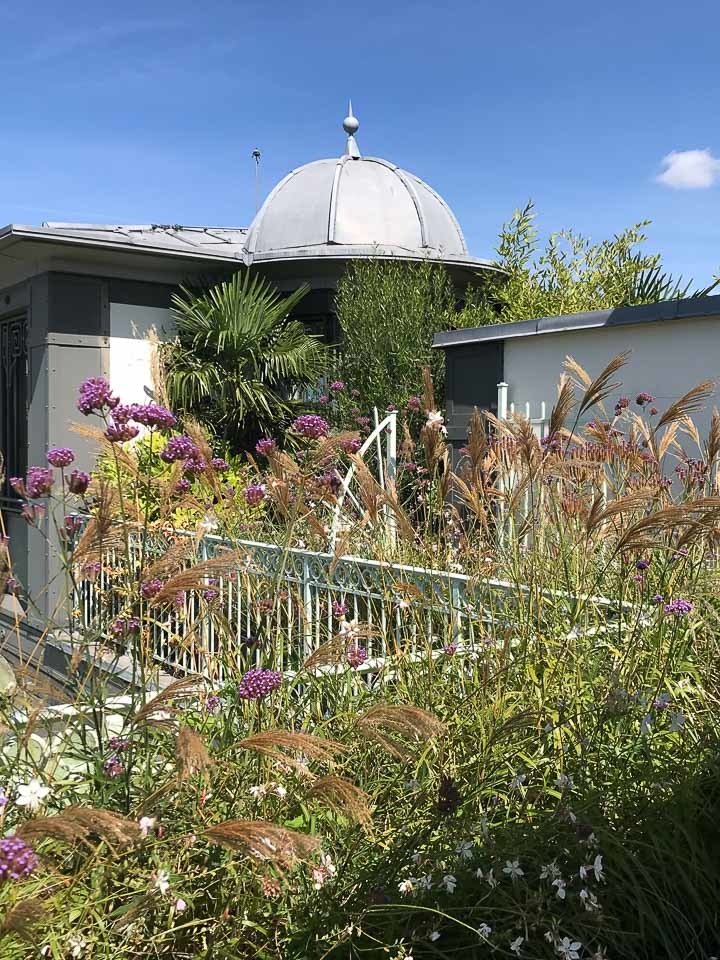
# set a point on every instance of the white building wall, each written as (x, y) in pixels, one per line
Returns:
(667, 359)
(131, 350)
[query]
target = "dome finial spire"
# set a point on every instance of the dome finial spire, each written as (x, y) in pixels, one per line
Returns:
(350, 126)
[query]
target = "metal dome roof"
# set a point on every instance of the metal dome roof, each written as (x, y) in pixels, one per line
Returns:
(354, 207)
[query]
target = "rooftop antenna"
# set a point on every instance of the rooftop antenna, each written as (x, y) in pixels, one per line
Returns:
(256, 158)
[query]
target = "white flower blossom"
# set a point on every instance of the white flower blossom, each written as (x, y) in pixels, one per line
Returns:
(513, 869)
(146, 824)
(677, 721)
(350, 629)
(257, 792)
(162, 882)
(180, 905)
(564, 782)
(425, 882)
(488, 877)
(464, 850)
(279, 791)
(598, 868)
(516, 944)
(560, 884)
(589, 900)
(517, 781)
(436, 421)
(435, 935)
(569, 949)
(76, 946)
(484, 930)
(407, 885)
(32, 795)
(448, 883)
(550, 871)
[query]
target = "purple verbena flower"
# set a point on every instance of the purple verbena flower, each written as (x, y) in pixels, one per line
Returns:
(255, 494)
(151, 587)
(643, 397)
(38, 482)
(257, 684)
(265, 446)
(337, 386)
(642, 564)
(60, 457)
(78, 482)
(658, 598)
(681, 553)
(195, 465)
(211, 592)
(339, 609)
(679, 608)
(179, 448)
(363, 422)
(153, 415)
(356, 656)
(409, 466)
(121, 432)
(450, 649)
(391, 408)
(222, 466)
(324, 399)
(182, 486)
(351, 444)
(95, 396)
(72, 524)
(179, 600)
(414, 404)
(113, 767)
(311, 426)
(17, 859)
(213, 704)
(118, 744)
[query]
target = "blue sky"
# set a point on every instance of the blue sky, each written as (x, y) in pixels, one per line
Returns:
(148, 111)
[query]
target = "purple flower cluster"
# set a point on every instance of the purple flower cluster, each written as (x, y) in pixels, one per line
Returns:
(391, 408)
(125, 625)
(38, 483)
(642, 564)
(450, 649)
(195, 465)
(151, 587)
(17, 859)
(265, 446)
(113, 767)
(153, 415)
(679, 608)
(211, 593)
(356, 656)
(642, 398)
(339, 609)
(78, 482)
(410, 466)
(329, 481)
(182, 486)
(312, 426)
(257, 684)
(351, 444)
(118, 744)
(60, 457)
(337, 386)
(324, 399)
(72, 524)
(222, 466)
(212, 704)
(255, 494)
(363, 422)
(413, 404)
(622, 404)
(95, 396)
(179, 448)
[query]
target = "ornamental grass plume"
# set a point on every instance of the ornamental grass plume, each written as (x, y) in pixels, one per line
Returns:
(265, 841)
(163, 702)
(342, 797)
(281, 744)
(24, 917)
(385, 723)
(78, 823)
(191, 755)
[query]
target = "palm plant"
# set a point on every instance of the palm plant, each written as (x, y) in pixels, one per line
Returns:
(238, 360)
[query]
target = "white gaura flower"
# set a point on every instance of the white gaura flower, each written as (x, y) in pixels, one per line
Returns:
(436, 421)
(32, 795)
(162, 882)
(598, 868)
(513, 869)
(484, 930)
(589, 900)
(569, 949)
(76, 946)
(407, 885)
(425, 882)
(564, 782)
(258, 791)
(488, 877)
(560, 884)
(448, 883)
(279, 791)
(550, 871)
(146, 824)
(435, 935)
(516, 944)
(208, 523)
(464, 850)
(677, 722)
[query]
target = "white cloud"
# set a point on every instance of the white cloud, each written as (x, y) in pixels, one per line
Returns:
(689, 169)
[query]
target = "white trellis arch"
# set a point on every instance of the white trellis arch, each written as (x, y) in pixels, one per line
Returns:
(384, 433)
